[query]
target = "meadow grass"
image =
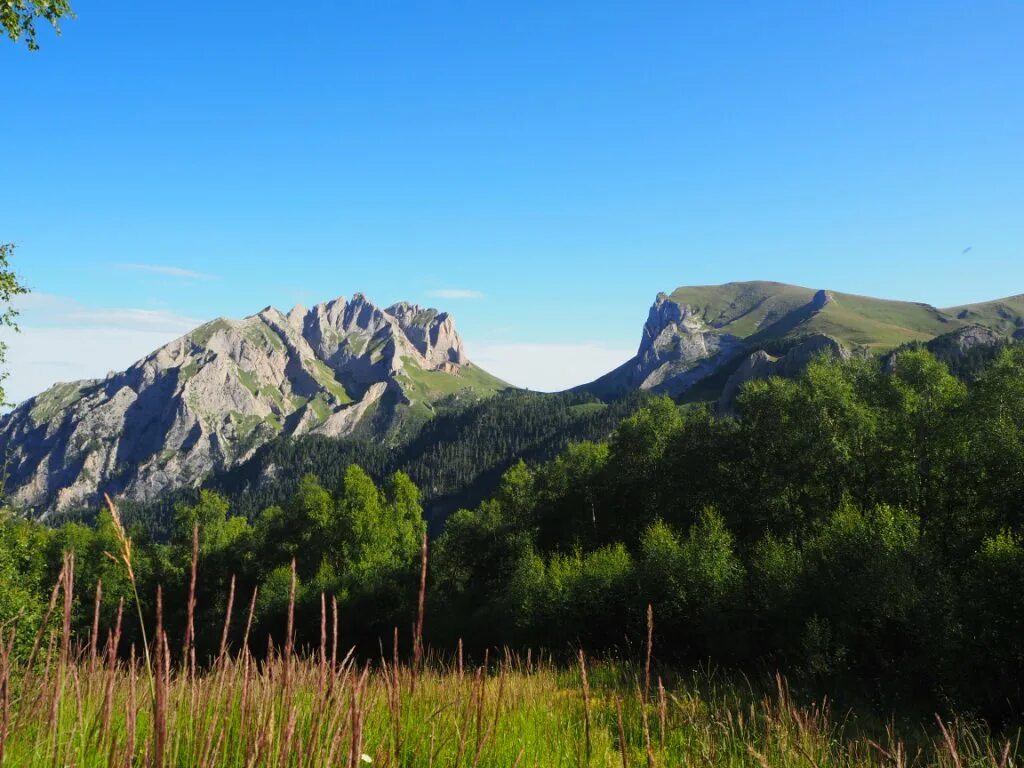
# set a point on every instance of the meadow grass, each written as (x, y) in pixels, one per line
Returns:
(73, 702)
(516, 712)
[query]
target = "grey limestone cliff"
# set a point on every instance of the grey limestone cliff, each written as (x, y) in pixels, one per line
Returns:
(209, 399)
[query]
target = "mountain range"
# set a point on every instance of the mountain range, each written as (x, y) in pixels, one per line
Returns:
(351, 372)
(206, 401)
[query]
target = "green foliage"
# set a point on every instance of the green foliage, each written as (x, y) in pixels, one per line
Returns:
(590, 596)
(217, 529)
(18, 18)
(14, 16)
(860, 527)
(23, 577)
(456, 459)
(859, 524)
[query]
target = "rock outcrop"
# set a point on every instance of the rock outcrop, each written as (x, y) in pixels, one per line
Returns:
(761, 365)
(966, 339)
(208, 400)
(677, 348)
(717, 336)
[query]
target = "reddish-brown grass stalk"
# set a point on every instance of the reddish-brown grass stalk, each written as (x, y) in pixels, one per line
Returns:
(6, 653)
(160, 699)
(421, 604)
(334, 634)
(130, 720)
(662, 714)
(323, 642)
(94, 636)
(46, 619)
(290, 631)
(248, 621)
(227, 621)
(622, 732)
(650, 651)
(189, 649)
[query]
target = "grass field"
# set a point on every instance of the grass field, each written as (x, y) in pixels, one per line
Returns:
(74, 701)
(308, 712)
(81, 705)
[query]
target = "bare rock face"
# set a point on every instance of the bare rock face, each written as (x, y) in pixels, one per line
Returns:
(677, 348)
(965, 339)
(208, 400)
(686, 340)
(431, 333)
(761, 365)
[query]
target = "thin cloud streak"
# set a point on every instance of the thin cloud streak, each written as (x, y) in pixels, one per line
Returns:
(38, 358)
(50, 310)
(158, 269)
(456, 293)
(64, 340)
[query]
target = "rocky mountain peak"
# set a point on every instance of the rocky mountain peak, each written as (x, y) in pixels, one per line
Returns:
(209, 399)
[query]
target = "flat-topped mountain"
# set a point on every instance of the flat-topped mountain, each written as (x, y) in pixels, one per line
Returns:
(696, 334)
(208, 400)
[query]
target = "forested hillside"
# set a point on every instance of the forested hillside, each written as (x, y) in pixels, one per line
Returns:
(858, 528)
(456, 458)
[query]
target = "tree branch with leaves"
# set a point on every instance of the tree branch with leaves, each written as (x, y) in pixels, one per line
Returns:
(10, 287)
(18, 18)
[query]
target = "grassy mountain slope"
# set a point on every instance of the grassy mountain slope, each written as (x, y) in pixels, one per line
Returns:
(761, 309)
(878, 324)
(743, 308)
(1001, 315)
(695, 336)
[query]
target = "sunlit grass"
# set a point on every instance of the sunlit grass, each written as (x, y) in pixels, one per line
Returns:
(312, 712)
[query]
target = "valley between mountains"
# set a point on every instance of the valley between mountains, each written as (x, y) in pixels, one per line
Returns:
(246, 405)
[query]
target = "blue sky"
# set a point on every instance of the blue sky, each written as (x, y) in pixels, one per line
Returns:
(541, 169)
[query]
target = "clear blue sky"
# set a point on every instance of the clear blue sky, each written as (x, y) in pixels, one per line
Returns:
(565, 160)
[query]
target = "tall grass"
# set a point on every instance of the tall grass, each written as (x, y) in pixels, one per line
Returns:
(241, 712)
(77, 703)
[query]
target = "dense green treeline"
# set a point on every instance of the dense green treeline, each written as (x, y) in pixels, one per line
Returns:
(861, 525)
(456, 458)
(360, 545)
(858, 528)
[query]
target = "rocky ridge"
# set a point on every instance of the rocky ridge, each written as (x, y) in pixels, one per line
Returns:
(735, 332)
(209, 399)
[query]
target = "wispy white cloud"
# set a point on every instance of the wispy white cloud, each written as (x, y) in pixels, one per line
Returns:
(37, 358)
(158, 269)
(64, 340)
(49, 310)
(456, 293)
(154, 319)
(548, 367)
